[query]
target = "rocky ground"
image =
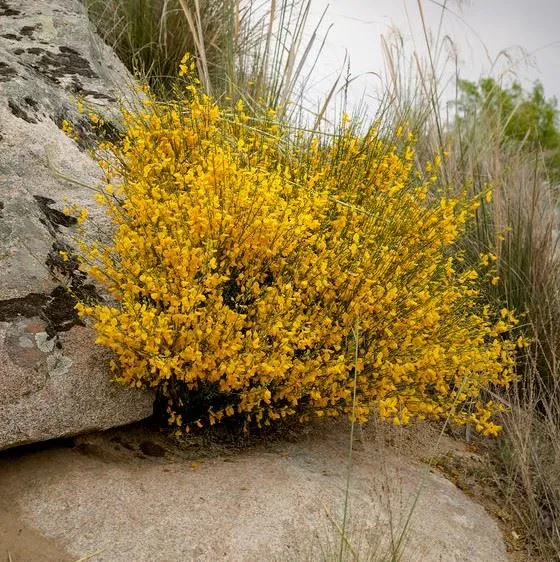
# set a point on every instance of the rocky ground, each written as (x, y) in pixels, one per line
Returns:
(132, 495)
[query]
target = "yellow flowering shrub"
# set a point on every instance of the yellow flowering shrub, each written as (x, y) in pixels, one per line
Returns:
(246, 264)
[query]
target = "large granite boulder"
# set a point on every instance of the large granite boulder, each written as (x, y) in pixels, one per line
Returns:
(54, 381)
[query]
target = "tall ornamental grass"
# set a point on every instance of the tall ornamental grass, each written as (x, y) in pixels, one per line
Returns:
(260, 52)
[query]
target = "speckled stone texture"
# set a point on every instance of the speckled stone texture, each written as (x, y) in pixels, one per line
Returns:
(112, 498)
(53, 380)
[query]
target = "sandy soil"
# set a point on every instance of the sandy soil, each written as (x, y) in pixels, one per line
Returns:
(19, 542)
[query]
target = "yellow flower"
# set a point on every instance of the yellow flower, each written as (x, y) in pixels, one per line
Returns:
(244, 256)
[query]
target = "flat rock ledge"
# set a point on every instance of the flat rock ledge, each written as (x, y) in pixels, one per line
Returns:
(54, 381)
(130, 495)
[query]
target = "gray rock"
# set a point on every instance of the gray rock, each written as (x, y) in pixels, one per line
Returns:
(53, 379)
(111, 498)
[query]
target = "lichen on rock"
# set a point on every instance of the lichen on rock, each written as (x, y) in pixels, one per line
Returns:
(54, 380)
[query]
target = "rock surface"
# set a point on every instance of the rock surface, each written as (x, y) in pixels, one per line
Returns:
(130, 495)
(53, 381)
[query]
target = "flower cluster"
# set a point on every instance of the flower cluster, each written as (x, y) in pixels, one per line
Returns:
(247, 263)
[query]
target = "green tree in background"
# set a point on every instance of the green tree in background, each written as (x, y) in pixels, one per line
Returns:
(525, 117)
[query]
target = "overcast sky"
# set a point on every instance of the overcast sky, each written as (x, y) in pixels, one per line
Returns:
(480, 29)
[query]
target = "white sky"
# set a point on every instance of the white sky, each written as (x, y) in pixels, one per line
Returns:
(480, 29)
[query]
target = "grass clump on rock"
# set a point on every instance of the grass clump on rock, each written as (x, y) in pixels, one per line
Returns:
(244, 255)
